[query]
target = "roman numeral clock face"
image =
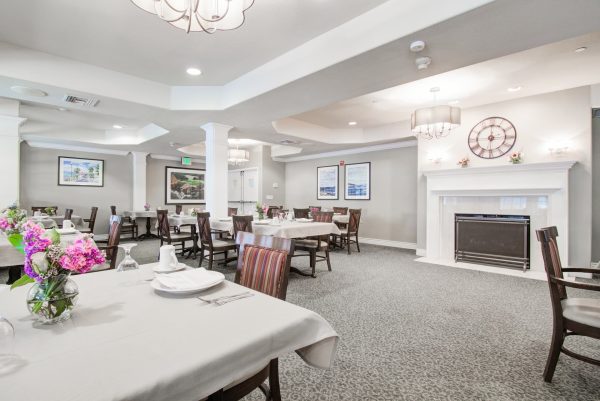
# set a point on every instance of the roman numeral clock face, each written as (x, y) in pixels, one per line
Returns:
(492, 138)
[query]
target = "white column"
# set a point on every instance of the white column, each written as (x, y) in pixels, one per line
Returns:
(10, 151)
(139, 180)
(215, 188)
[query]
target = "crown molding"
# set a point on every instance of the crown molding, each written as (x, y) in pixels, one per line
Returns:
(352, 151)
(61, 146)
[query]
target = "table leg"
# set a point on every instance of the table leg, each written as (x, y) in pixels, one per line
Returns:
(148, 233)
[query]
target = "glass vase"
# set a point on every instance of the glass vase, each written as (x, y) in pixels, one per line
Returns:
(52, 300)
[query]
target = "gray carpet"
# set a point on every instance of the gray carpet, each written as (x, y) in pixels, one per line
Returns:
(412, 331)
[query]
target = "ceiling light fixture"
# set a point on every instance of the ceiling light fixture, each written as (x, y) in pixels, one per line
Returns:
(514, 88)
(352, 123)
(198, 15)
(117, 126)
(436, 121)
(422, 63)
(193, 71)
(238, 156)
(453, 102)
(580, 49)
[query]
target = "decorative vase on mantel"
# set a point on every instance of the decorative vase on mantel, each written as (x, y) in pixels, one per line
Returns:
(51, 300)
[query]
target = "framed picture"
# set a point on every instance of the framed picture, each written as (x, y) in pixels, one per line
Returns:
(77, 172)
(184, 185)
(358, 181)
(327, 182)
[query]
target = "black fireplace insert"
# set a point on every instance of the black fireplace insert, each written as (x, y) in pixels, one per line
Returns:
(492, 239)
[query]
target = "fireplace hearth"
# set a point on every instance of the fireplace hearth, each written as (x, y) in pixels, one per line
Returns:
(492, 239)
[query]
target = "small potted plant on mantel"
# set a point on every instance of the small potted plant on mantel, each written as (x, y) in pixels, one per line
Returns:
(464, 162)
(516, 157)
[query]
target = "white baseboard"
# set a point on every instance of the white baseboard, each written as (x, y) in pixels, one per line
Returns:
(421, 252)
(385, 242)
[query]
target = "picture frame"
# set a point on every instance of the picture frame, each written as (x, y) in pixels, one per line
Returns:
(357, 181)
(328, 182)
(184, 186)
(80, 172)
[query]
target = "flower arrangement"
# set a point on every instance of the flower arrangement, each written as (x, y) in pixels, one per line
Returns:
(147, 207)
(516, 157)
(11, 219)
(48, 265)
(464, 162)
(50, 211)
(261, 210)
(193, 211)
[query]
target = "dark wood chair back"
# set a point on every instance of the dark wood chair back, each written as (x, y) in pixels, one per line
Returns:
(114, 236)
(547, 238)
(354, 221)
(113, 210)
(68, 214)
(301, 213)
(178, 209)
(232, 211)
(164, 231)
(314, 208)
(342, 210)
(92, 219)
(204, 229)
(273, 211)
(264, 263)
(322, 217)
(241, 224)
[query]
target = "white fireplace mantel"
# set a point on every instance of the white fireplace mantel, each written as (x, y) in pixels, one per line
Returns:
(550, 180)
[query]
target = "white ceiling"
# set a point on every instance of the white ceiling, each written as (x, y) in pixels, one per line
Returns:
(544, 69)
(117, 35)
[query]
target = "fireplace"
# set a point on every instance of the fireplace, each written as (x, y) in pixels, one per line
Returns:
(492, 239)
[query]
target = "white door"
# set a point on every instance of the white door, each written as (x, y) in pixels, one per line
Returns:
(243, 190)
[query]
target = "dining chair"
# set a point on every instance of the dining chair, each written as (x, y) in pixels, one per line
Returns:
(313, 245)
(112, 248)
(351, 231)
(232, 211)
(241, 223)
(273, 211)
(213, 246)
(178, 209)
(264, 266)
(91, 221)
(167, 236)
(68, 214)
(340, 210)
(314, 208)
(128, 225)
(301, 213)
(571, 316)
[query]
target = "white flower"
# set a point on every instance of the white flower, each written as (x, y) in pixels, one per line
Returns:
(39, 262)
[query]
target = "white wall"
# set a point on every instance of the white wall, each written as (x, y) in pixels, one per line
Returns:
(596, 189)
(539, 120)
(390, 215)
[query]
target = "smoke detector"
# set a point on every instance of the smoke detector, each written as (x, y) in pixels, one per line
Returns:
(417, 46)
(423, 62)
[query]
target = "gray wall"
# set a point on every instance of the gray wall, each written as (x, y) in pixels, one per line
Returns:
(272, 172)
(596, 189)
(39, 184)
(391, 214)
(155, 181)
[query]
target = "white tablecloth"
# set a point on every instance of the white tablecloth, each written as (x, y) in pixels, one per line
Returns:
(77, 220)
(134, 214)
(341, 218)
(126, 342)
(294, 229)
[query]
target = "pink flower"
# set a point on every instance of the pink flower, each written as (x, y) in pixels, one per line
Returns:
(81, 256)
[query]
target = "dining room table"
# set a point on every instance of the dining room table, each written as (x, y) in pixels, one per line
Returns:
(149, 215)
(128, 341)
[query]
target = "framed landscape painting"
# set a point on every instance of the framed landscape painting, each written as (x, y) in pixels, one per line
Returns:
(74, 171)
(184, 185)
(358, 181)
(327, 182)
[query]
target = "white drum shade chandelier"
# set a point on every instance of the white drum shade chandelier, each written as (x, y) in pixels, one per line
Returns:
(436, 121)
(198, 15)
(238, 156)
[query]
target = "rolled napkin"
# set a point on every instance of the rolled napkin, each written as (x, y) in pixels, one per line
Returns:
(189, 279)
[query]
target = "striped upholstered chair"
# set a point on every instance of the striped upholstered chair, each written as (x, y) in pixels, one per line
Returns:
(571, 316)
(264, 266)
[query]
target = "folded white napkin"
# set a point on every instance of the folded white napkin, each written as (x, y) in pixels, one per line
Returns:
(188, 279)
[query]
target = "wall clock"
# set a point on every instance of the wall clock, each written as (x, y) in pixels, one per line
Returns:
(492, 138)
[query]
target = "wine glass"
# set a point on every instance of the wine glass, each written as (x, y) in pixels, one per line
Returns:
(128, 263)
(7, 336)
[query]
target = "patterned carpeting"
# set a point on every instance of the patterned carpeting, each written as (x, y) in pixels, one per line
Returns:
(412, 331)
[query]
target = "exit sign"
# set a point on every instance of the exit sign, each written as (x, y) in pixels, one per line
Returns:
(186, 161)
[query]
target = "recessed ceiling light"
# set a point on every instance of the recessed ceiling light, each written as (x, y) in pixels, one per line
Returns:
(514, 88)
(352, 123)
(117, 126)
(25, 90)
(194, 71)
(580, 49)
(453, 102)
(62, 109)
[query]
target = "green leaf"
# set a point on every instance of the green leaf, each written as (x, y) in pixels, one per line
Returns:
(25, 279)
(16, 240)
(54, 237)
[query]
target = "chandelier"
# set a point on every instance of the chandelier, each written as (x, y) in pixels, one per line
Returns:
(436, 121)
(198, 15)
(238, 156)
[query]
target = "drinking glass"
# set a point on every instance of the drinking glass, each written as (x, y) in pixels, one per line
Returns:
(128, 263)
(7, 336)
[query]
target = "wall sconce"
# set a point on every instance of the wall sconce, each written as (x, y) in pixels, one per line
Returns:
(558, 148)
(435, 157)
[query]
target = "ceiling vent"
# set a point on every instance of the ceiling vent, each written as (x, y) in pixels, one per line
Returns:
(81, 101)
(289, 142)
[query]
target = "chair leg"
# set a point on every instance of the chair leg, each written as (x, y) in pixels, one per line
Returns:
(211, 256)
(348, 243)
(327, 259)
(313, 262)
(357, 246)
(274, 380)
(201, 256)
(558, 337)
(216, 396)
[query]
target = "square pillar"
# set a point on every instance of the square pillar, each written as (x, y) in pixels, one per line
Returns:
(10, 152)
(139, 180)
(216, 183)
